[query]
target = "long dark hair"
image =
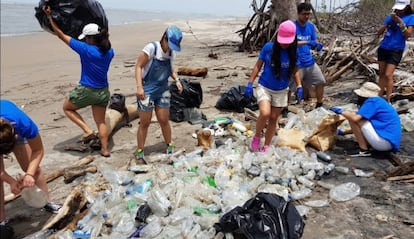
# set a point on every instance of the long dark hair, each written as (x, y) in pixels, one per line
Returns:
(275, 60)
(7, 137)
(102, 40)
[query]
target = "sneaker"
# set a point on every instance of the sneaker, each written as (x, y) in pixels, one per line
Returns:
(170, 148)
(319, 104)
(255, 145)
(362, 153)
(6, 231)
(52, 207)
(139, 154)
(264, 148)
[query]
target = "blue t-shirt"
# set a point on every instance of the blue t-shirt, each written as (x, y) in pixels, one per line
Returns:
(22, 124)
(305, 33)
(394, 38)
(268, 79)
(383, 118)
(95, 64)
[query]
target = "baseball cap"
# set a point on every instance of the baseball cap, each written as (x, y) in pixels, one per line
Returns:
(89, 30)
(287, 32)
(400, 4)
(174, 36)
(368, 89)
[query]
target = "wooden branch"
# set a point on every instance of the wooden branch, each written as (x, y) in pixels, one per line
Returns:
(202, 72)
(403, 177)
(71, 173)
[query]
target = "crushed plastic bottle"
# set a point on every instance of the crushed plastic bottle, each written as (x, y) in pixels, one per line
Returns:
(297, 195)
(344, 192)
(362, 173)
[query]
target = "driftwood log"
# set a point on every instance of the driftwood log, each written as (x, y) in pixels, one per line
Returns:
(113, 117)
(202, 72)
(71, 173)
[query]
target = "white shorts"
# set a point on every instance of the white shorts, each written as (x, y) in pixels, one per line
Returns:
(277, 98)
(377, 142)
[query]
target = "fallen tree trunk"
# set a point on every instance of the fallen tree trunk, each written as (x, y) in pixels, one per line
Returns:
(71, 173)
(114, 117)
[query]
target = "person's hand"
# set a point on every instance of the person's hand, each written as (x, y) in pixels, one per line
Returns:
(299, 93)
(319, 46)
(248, 92)
(28, 180)
(140, 93)
(179, 86)
(312, 43)
(15, 187)
(337, 109)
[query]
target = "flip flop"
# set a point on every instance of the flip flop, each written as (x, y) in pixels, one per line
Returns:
(105, 155)
(88, 139)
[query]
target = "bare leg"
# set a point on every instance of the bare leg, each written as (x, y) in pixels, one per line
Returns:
(382, 81)
(163, 117)
(389, 76)
(144, 123)
(356, 129)
(98, 113)
(70, 111)
(264, 114)
(271, 126)
(319, 93)
(23, 154)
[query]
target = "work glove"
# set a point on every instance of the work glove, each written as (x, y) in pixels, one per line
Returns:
(312, 43)
(336, 109)
(319, 46)
(299, 93)
(248, 92)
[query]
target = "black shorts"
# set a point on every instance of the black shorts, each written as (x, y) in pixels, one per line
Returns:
(390, 56)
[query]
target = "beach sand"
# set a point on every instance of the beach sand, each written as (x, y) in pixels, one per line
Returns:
(38, 71)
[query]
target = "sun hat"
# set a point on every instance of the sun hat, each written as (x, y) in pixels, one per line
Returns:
(174, 36)
(89, 30)
(368, 89)
(287, 32)
(400, 4)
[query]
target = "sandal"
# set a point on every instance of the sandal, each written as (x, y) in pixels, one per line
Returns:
(105, 155)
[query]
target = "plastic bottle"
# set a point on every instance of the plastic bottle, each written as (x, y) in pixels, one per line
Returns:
(303, 193)
(342, 169)
(239, 126)
(139, 187)
(277, 180)
(323, 156)
(34, 197)
(344, 192)
(79, 234)
(303, 180)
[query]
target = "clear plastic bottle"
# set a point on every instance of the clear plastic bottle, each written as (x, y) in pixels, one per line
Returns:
(34, 197)
(303, 180)
(344, 192)
(297, 195)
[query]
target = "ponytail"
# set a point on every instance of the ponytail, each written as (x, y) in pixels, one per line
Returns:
(102, 40)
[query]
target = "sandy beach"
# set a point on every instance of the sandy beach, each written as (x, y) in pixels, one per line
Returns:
(38, 71)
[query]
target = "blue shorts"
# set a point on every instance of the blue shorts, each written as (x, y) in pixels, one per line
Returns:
(154, 100)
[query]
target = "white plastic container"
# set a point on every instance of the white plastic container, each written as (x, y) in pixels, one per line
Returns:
(34, 197)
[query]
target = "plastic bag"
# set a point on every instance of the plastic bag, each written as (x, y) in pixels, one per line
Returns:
(71, 15)
(234, 100)
(190, 97)
(266, 216)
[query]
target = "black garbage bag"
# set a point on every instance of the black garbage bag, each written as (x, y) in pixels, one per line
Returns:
(71, 15)
(266, 216)
(234, 100)
(190, 97)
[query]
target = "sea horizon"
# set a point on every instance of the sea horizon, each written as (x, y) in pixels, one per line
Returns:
(19, 18)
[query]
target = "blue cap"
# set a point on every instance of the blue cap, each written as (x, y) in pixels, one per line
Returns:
(174, 36)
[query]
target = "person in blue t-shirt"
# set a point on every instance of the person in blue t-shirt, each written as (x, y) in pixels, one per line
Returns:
(311, 74)
(376, 123)
(278, 59)
(20, 135)
(96, 55)
(398, 26)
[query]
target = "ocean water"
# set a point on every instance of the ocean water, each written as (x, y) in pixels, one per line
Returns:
(19, 19)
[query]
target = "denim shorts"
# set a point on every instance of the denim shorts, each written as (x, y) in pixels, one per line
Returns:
(151, 101)
(390, 56)
(83, 96)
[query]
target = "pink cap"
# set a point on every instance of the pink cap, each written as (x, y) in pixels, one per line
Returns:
(287, 32)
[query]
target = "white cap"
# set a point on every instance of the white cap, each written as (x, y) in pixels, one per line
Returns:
(89, 30)
(400, 4)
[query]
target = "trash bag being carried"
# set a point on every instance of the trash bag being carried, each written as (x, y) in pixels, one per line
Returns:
(265, 216)
(234, 100)
(71, 15)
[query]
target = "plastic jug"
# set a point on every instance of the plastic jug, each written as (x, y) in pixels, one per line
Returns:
(34, 197)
